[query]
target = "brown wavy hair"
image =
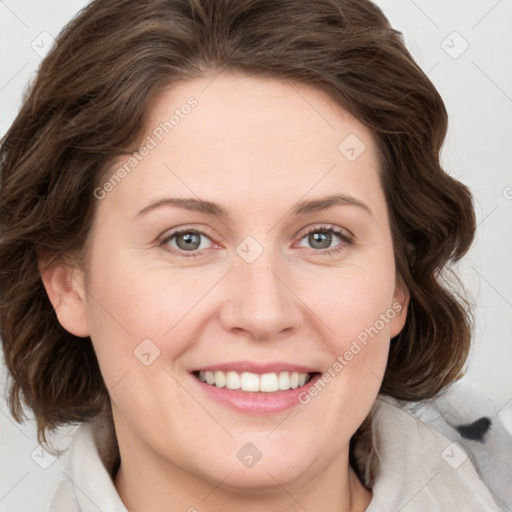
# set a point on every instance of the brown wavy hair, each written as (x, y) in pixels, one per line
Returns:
(88, 104)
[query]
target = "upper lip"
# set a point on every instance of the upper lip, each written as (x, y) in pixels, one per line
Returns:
(259, 368)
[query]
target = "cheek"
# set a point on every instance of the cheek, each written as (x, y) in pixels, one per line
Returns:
(143, 311)
(359, 313)
(139, 328)
(357, 298)
(357, 306)
(134, 312)
(358, 351)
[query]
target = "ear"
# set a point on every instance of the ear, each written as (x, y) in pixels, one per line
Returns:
(65, 289)
(400, 304)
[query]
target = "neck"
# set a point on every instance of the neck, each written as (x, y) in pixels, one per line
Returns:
(146, 486)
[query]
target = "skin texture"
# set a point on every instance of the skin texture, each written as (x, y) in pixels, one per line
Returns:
(256, 147)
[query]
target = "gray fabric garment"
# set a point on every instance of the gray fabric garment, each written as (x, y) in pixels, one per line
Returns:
(420, 469)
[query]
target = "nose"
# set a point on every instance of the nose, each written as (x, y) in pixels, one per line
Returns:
(260, 299)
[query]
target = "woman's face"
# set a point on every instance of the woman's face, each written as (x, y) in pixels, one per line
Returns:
(283, 263)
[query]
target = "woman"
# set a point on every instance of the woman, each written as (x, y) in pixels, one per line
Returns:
(223, 228)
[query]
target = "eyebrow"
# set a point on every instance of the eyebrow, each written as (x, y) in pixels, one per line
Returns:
(209, 208)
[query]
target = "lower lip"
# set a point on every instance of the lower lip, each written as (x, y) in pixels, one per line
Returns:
(257, 403)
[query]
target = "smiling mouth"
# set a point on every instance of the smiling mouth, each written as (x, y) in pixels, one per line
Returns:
(254, 382)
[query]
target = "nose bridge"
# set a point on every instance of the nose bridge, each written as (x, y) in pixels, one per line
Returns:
(260, 301)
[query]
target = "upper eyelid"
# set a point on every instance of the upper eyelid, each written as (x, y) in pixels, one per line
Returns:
(321, 227)
(186, 229)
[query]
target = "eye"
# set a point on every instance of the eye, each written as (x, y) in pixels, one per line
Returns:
(190, 242)
(185, 240)
(321, 238)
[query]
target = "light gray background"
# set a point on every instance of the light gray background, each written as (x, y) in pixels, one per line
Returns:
(476, 84)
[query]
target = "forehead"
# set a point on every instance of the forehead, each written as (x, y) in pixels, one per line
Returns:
(243, 113)
(235, 136)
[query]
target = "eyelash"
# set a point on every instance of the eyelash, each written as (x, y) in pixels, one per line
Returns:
(317, 229)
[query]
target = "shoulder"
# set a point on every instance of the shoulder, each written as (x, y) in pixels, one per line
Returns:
(444, 453)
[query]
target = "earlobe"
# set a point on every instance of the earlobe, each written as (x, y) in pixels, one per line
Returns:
(400, 305)
(64, 286)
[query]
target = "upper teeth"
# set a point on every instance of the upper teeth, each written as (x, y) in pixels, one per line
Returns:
(247, 381)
